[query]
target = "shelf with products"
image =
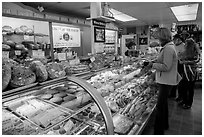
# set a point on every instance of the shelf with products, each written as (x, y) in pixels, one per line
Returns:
(44, 72)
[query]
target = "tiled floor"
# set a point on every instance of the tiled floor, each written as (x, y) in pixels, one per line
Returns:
(182, 121)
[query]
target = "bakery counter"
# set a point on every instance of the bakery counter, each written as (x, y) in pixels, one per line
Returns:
(69, 107)
(94, 105)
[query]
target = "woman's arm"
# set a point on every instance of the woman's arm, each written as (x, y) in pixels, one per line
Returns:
(168, 54)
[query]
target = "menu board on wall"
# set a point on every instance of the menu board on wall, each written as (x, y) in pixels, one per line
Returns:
(64, 36)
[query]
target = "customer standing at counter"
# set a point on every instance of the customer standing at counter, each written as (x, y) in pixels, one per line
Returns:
(189, 59)
(166, 77)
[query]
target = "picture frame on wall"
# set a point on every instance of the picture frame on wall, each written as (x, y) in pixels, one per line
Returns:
(99, 34)
(143, 41)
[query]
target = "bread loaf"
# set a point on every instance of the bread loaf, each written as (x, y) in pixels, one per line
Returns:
(6, 75)
(22, 76)
(5, 47)
(23, 28)
(29, 31)
(10, 62)
(10, 43)
(19, 47)
(7, 29)
(40, 70)
(55, 70)
(18, 31)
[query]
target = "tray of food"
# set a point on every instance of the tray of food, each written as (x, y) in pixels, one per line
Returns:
(122, 124)
(66, 127)
(92, 115)
(87, 130)
(72, 97)
(13, 125)
(40, 113)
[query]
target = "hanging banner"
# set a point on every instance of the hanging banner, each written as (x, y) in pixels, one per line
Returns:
(66, 37)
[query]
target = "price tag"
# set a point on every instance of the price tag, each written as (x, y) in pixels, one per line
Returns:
(38, 54)
(92, 59)
(74, 61)
(28, 38)
(5, 54)
(61, 56)
(17, 52)
(69, 54)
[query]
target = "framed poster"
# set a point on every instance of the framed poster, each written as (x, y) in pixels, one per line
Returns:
(143, 41)
(99, 34)
(64, 36)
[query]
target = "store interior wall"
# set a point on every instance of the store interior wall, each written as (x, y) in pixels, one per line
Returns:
(43, 27)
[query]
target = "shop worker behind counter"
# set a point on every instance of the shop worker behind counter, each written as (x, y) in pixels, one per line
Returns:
(166, 76)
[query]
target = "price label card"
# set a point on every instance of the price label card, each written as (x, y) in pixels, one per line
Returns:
(38, 54)
(74, 61)
(17, 52)
(5, 54)
(92, 59)
(61, 56)
(28, 38)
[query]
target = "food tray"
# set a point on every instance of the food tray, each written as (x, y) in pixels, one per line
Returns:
(13, 125)
(40, 113)
(87, 130)
(87, 115)
(64, 128)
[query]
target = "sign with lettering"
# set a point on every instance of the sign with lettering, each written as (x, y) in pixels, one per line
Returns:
(61, 56)
(38, 54)
(28, 38)
(64, 19)
(92, 59)
(8, 11)
(66, 36)
(99, 23)
(25, 13)
(36, 15)
(17, 52)
(74, 61)
(5, 54)
(51, 17)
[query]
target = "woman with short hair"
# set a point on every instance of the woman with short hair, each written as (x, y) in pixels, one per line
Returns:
(166, 77)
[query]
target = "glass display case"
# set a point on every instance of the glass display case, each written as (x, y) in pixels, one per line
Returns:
(114, 101)
(70, 107)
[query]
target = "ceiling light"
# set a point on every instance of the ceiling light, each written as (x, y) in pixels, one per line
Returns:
(121, 16)
(185, 12)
